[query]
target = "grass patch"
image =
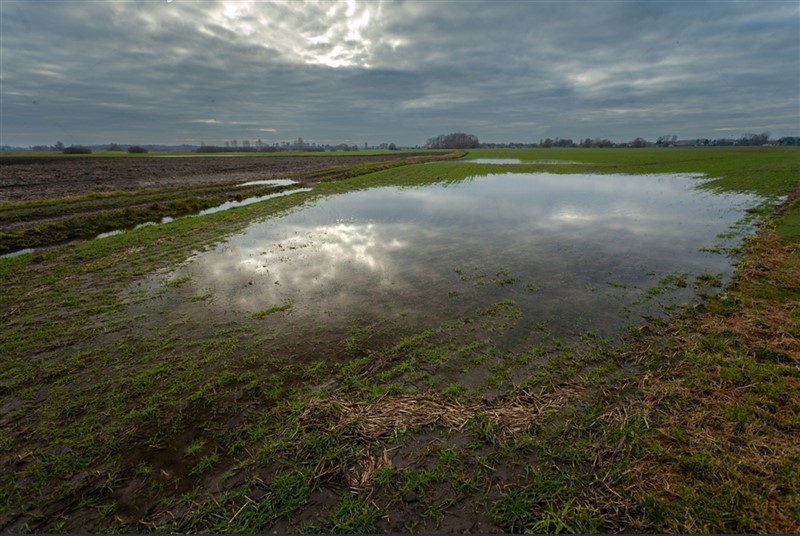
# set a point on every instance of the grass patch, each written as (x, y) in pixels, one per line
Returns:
(274, 309)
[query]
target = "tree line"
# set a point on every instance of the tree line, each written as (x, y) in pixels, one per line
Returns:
(456, 140)
(460, 140)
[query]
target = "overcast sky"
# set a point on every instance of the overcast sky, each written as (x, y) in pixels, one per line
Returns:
(186, 71)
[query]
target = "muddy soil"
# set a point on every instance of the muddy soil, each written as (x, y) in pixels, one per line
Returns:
(24, 178)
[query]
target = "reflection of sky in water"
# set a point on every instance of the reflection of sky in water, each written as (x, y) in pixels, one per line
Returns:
(513, 161)
(269, 182)
(393, 252)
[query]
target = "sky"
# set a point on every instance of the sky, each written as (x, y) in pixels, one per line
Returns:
(186, 71)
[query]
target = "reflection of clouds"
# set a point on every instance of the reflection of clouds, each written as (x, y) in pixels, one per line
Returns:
(390, 251)
(330, 265)
(551, 203)
(359, 244)
(570, 214)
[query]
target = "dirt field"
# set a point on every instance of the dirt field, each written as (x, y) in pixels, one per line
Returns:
(24, 178)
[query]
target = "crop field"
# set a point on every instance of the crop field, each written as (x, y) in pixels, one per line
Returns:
(406, 342)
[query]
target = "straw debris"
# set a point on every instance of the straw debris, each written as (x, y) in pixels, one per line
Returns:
(391, 415)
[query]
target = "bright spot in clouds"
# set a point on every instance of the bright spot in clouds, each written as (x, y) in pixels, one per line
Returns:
(329, 34)
(139, 72)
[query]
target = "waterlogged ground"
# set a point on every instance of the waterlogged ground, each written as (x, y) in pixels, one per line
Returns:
(572, 253)
(408, 349)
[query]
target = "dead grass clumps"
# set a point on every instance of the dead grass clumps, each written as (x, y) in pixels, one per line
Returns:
(391, 415)
(724, 415)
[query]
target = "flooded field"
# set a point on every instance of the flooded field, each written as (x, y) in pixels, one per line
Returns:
(406, 346)
(572, 253)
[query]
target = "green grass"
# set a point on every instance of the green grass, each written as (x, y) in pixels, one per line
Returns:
(272, 310)
(689, 426)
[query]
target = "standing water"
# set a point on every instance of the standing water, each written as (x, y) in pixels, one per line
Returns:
(572, 252)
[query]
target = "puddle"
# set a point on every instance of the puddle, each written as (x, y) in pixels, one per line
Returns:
(249, 201)
(270, 182)
(224, 206)
(515, 161)
(219, 208)
(572, 252)
(198, 155)
(17, 253)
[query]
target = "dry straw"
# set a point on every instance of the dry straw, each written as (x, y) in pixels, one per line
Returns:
(390, 415)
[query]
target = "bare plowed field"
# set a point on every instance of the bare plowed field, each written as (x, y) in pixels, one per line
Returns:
(25, 178)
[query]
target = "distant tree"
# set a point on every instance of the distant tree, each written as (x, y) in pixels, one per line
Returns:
(76, 149)
(259, 144)
(136, 149)
(392, 147)
(667, 140)
(563, 143)
(113, 147)
(58, 146)
(246, 144)
(602, 143)
(547, 143)
(754, 139)
(639, 143)
(456, 140)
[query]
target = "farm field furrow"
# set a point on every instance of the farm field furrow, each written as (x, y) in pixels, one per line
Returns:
(24, 178)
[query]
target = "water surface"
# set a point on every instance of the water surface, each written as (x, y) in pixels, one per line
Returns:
(515, 161)
(573, 252)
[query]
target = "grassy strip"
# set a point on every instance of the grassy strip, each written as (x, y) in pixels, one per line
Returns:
(91, 225)
(50, 208)
(348, 172)
(765, 171)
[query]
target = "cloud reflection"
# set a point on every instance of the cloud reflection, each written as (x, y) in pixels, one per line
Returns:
(390, 251)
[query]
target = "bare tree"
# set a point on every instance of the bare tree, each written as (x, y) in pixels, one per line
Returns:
(666, 141)
(754, 139)
(456, 140)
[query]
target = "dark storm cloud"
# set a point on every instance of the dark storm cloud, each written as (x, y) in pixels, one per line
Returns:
(175, 72)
